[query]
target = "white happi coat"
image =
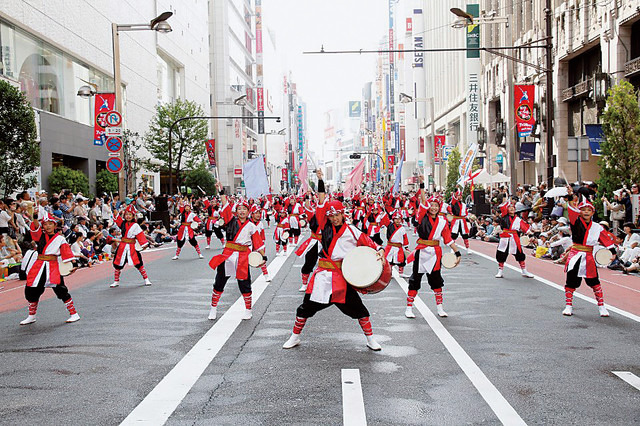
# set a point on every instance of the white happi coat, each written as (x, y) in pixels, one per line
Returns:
(399, 236)
(186, 231)
(510, 241)
(430, 257)
(133, 232)
(294, 220)
(56, 246)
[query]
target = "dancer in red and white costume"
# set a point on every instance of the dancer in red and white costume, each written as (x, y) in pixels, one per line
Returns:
(45, 272)
(375, 220)
(295, 212)
(397, 242)
(580, 263)
(282, 225)
(256, 218)
(243, 237)
(210, 225)
(126, 252)
(427, 256)
(311, 247)
(512, 226)
(327, 285)
(459, 224)
(185, 232)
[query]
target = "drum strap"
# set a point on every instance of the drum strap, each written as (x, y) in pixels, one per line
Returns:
(399, 245)
(580, 247)
(186, 223)
(129, 240)
(48, 257)
(235, 246)
(330, 264)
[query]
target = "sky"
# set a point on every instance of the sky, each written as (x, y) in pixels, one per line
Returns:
(326, 82)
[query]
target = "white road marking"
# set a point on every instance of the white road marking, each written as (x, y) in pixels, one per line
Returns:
(162, 401)
(561, 288)
(353, 413)
(500, 406)
(629, 377)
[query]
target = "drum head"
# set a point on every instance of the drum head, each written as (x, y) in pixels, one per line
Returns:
(525, 240)
(603, 257)
(450, 217)
(220, 222)
(449, 260)
(303, 223)
(65, 268)
(255, 259)
(194, 225)
(361, 267)
(285, 236)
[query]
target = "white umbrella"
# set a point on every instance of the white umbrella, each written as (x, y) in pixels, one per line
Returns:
(483, 178)
(558, 191)
(500, 178)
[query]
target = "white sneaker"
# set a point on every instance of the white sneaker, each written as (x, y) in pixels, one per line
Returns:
(206, 248)
(409, 312)
(28, 320)
(466, 251)
(147, 282)
(247, 314)
(441, 312)
(213, 312)
(201, 256)
(303, 288)
(527, 274)
(568, 310)
(500, 273)
(267, 278)
(372, 344)
(73, 318)
(174, 257)
(115, 284)
(293, 341)
(603, 311)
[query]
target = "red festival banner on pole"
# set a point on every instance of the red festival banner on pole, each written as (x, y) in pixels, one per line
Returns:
(211, 151)
(524, 96)
(438, 143)
(104, 102)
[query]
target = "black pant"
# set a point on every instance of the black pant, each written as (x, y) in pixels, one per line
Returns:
(574, 281)
(455, 236)
(352, 306)
(295, 232)
(501, 256)
(310, 259)
(192, 241)
(377, 239)
(32, 294)
(434, 279)
(222, 278)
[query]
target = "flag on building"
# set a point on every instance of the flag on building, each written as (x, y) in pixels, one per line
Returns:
(303, 175)
(255, 178)
(354, 180)
(396, 185)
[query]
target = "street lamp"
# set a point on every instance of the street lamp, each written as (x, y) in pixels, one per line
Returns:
(159, 24)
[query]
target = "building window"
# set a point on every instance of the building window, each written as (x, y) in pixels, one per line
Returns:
(169, 80)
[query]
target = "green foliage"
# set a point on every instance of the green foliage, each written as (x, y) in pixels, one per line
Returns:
(453, 163)
(106, 182)
(312, 185)
(65, 178)
(188, 137)
(620, 160)
(20, 150)
(201, 178)
(132, 161)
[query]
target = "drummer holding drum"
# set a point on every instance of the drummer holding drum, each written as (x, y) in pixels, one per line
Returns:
(427, 257)
(397, 242)
(282, 233)
(327, 285)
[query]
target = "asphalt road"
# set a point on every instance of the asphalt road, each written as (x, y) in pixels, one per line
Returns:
(505, 350)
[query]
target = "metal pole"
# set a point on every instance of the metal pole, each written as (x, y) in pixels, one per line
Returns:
(432, 145)
(117, 81)
(549, 95)
(511, 130)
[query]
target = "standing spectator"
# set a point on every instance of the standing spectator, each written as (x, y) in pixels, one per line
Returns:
(141, 204)
(6, 217)
(625, 199)
(107, 213)
(616, 210)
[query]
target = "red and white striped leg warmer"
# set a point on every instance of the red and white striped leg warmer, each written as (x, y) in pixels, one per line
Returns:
(366, 326)
(568, 295)
(501, 265)
(466, 243)
(411, 296)
(143, 272)
(116, 275)
(290, 240)
(523, 265)
(198, 249)
(438, 293)
(264, 269)
(247, 300)
(295, 240)
(70, 307)
(305, 279)
(222, 241)
(597, 292)
(215, 298)
(299, 325)
(208, 241)
(277, 248)
(178, 250)
(284, 247)
(33, 308)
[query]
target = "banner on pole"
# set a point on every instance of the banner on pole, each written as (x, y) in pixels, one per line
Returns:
(467, 162)
(104, 103)
(211, 152)
(524, 96)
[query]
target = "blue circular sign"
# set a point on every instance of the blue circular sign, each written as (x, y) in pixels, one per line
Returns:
(114, 164)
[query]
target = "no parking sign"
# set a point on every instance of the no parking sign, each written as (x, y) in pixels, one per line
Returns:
(114, 164)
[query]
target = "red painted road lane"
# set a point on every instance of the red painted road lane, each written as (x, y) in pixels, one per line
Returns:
(621, 291)
(12, 295)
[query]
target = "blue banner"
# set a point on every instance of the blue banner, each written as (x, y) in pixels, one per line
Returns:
(528, 151)
(596, 137)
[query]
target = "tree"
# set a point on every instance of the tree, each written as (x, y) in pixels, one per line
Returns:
(132, 161)
(620, 160)
(201, 178)
(18, 144)
(65, 178)
(453, 163)
(106, 182)
(187, 139)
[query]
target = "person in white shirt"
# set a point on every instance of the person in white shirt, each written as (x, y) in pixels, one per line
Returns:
(76, 249)
(630, 245)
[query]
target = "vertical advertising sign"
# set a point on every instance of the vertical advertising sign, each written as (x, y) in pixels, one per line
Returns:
(259, 66)
(211, 152)
(438, 143)
(524, 95)
(300, 135)
(104, 102)
(473, 77)
(391, 61)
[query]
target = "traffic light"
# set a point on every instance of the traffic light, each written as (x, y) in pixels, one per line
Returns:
(355, 156)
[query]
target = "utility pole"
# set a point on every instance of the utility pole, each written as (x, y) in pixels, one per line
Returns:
(549, 96)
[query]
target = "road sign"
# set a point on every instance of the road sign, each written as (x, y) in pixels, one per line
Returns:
(391, 159)
(499, 158)
(113, 131)
(237, 172)
(114, 144)
(114, 164)
(446, 150)
(114, 119)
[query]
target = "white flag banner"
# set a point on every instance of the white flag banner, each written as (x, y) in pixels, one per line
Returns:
(255, 178)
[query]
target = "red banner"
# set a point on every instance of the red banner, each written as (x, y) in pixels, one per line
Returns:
(524, 97)
(438, 143)
(104, 102)
(391, 160)
(211, 152)
(285, 175)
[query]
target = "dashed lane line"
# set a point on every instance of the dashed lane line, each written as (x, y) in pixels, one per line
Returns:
(353, 413)
(629, 377)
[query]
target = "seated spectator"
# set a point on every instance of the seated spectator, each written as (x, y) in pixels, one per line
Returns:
(560, 243)
(630, 248)
(11, 249)
(78, 250)
(494, 236)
